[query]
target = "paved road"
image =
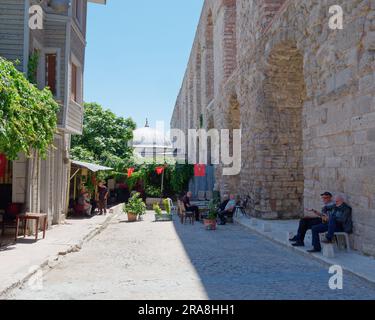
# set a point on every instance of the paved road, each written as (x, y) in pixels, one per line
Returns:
(147, 260)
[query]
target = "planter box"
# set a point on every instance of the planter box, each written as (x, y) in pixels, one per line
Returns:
(163, 217)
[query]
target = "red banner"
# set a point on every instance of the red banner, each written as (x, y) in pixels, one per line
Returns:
(3, 163)
(200, 170)
(130, 172)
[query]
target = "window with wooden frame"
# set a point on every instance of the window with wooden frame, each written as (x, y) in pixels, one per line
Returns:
(51, 74)
(74, 83)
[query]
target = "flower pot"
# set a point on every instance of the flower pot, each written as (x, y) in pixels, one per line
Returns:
(210, 224)
(132, 217)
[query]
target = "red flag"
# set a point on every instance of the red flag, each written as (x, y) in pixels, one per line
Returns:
(159, 170)
(3, 162)
(130, 172)
(200, 170)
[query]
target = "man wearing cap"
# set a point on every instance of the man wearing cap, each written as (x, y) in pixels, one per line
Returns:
(339, 220)
(318, 218)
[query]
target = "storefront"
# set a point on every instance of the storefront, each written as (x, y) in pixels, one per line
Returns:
(84, 176)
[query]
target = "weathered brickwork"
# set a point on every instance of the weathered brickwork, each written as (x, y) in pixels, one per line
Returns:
(303, 95)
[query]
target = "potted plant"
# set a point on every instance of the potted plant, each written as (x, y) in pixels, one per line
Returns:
(210, 222)
(135, 208)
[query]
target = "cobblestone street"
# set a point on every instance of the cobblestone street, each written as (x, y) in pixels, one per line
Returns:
(148, 260)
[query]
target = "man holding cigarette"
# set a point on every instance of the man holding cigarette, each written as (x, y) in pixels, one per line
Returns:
(316, 218)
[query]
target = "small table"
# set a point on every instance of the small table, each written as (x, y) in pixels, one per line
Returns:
(32, 216)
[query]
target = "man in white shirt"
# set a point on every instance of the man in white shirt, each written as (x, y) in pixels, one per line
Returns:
(229, 209)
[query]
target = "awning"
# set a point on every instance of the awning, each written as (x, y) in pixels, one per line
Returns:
(91, 166)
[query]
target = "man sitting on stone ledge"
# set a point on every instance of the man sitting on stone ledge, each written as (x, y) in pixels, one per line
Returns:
(228, 210)
(224, 203)
(308, 222)
(340, 220)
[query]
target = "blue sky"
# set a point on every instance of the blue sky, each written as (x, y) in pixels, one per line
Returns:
(137, 54)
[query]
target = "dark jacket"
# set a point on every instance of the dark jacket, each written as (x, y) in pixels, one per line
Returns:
(329, 208)
(343, 215)
(223, 205)
(186, 201)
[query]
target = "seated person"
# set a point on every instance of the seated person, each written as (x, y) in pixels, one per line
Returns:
(340, 220)
(224, 203)
(228, 210)
(84, 202)
(189, 207)
(308, 222)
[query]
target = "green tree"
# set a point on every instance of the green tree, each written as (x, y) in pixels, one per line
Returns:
(105, 138)
(28, 116)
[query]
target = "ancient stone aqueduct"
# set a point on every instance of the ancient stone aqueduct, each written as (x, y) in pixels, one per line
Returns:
(303, 95)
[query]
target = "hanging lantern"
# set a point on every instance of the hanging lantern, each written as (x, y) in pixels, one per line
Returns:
(159, 170)
(130, 172)
(3, 162)
(200, 170)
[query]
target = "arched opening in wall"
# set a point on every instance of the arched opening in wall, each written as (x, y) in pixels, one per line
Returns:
(198, 90)
(232, 183)
(191, 103)
(234, 117)
(210, 125)
(282, 143)
(230, 38)
(209, 59)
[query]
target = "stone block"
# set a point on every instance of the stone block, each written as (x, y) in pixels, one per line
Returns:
(328, 250)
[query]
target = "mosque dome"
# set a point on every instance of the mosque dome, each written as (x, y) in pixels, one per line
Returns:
(150, 138)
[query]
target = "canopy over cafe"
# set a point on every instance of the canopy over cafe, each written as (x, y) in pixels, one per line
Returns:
(83, 174)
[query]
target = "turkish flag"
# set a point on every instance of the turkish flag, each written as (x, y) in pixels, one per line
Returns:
(200, 170)
(130, 172)
(3, 162)
(159, 170)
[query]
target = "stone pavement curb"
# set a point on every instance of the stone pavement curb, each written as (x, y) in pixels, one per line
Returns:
(245, 222)
(54, 259)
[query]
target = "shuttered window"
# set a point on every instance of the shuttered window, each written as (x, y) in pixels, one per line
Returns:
(51, 61)
(74, 83)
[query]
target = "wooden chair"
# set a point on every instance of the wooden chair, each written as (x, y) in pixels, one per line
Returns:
(185, 215)
(9, 218)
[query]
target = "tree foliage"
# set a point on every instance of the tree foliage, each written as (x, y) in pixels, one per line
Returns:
(105, 138)
(28, 116)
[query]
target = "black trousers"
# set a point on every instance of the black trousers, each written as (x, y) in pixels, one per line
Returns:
(306, 224)
(223, 214)
(194, 209)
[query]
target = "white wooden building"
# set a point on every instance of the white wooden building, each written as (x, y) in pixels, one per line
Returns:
(60, 47)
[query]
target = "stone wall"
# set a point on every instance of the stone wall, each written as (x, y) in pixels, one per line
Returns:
(303, 95)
